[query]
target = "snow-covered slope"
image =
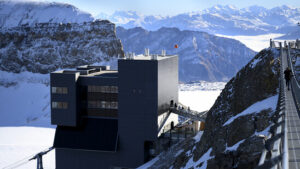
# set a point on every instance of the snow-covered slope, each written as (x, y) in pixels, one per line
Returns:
(16, 13)
(227, 20)
(18, 144)
(25, 99)
(201, 56)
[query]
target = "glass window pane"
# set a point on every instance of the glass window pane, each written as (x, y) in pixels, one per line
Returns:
(98, 104)
(107, 105)
(103, 103)
(54, 104)
(53, 89)
(65, 105)
(65, 90)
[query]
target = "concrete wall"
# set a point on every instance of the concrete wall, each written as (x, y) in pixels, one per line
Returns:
(167, 83)
(69, 116)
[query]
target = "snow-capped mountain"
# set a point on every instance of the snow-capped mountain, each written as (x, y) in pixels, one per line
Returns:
(227, 20)
(201, 56)
(14, 13)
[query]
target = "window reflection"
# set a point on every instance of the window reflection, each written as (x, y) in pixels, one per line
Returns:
(59, 105)
(103, 89)
(59, 90)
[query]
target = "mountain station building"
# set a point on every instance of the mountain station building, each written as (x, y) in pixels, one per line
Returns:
(108, 119)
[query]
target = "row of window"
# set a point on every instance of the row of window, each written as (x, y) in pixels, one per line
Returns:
(60, 90)
(103, 89)
(102, 104)
(59, 105)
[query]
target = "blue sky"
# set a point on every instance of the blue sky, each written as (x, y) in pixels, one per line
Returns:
(168, 7)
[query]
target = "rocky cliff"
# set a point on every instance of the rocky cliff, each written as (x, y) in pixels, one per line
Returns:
(46, 47)
(201, 56)
(243, 111)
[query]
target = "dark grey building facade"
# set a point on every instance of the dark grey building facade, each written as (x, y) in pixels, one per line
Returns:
(110, 119)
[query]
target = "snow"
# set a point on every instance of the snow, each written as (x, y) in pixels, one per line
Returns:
(27, 100)
(14, 13)
(21, 143)
(179, 152)
(227, 20)
(198, 136)
(253, 64)
(205, 157)
(265, 132)
(198, 100)
(269, 103)
(256, 43)
(235, 146)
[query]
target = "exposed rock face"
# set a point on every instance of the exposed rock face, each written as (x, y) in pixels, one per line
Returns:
(235, 143)
(201, 56)
(50, 46)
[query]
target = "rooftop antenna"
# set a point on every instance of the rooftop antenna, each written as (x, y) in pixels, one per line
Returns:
(147, 52)
(163, 52)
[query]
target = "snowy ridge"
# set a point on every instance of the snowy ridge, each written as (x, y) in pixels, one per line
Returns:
(16, 13)
(227, 20)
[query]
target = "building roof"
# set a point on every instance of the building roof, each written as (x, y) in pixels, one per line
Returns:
(149, 57)
(94, 134)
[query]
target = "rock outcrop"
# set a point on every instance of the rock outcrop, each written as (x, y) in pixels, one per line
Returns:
(243, 111)
(50, 46)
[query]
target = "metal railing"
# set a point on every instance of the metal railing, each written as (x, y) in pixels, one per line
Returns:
(276, 143)
(187, 112)
(294, 82)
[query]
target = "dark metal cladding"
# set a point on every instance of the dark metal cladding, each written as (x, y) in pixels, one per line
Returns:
(94, 134)
(70, 115)
(96, 137)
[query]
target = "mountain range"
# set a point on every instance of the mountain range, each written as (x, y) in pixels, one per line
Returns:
(202, 56)
(227, 20)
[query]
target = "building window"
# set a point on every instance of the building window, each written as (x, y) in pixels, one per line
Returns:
(102, 104)
(94, 104)
(59, 90)
(114, 105)
(59, 105)
(103, 89)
